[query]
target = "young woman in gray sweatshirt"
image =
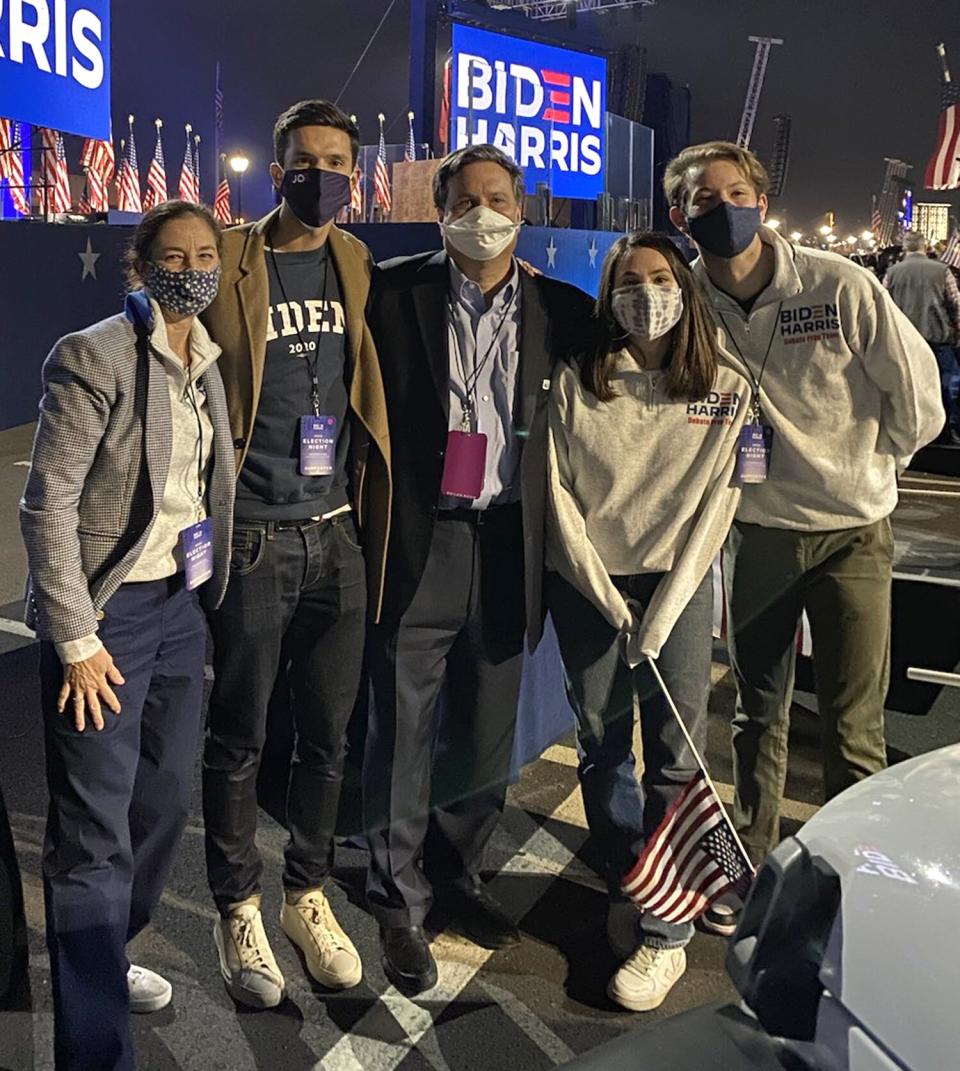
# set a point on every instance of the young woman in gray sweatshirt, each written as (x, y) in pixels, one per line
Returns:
(641, 462)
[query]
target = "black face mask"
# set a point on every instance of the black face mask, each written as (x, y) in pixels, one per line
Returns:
(315, 196)
(726, 230)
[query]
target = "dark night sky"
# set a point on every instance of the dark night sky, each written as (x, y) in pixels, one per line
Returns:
(860, 78)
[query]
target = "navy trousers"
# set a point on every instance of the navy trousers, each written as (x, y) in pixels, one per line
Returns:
(118, 803)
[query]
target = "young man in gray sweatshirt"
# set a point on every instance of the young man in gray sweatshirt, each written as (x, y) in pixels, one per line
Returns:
(845, 392)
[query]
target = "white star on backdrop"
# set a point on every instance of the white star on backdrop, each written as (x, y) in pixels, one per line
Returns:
(551, 253)
(89, 259)
(593, 250)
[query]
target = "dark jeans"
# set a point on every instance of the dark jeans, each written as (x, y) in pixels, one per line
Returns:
(623, 814)
(118, 802)
(16, 1032)
(434, 788)
(296, 602)
(949, 385)
(842, 579)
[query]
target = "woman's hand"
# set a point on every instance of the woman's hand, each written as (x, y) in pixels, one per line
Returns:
(85, 684)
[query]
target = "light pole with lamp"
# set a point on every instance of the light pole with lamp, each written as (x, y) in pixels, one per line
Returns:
(238, 165)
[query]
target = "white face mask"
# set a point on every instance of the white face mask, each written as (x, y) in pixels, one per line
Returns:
(647, 311)
(480, 234)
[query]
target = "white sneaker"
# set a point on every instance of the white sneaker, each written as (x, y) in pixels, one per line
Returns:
(247, 963)
(148, 991)
(330, 955)
(644, 981)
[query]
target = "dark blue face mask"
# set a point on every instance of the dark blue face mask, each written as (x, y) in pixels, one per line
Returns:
(726, 230)
(315, 196)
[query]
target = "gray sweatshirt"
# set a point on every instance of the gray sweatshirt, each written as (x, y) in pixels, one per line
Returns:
(850, 389)
(640, 484)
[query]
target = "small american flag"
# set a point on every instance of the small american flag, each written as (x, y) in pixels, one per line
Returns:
(83, 205)
(56, 177)
(222, 210)
(693, 858)
(11, 164)
(410, 150)
(381, 176)
(876, 220)
(951, 253)
(188, 188)
(157, 176)
(943, 168)
(128, 177)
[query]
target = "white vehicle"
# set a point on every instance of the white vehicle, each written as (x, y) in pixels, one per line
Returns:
(846, 955)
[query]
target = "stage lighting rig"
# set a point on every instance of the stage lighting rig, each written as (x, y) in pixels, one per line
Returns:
(553, 10)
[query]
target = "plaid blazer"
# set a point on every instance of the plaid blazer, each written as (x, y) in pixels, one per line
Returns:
(99, 472)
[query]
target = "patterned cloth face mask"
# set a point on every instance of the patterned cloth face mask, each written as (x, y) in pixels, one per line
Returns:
(186, 293)
(647, 311)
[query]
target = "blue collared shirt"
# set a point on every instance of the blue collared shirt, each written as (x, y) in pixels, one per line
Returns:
(471, 331)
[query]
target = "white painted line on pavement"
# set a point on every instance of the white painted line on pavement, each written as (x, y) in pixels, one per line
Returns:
(16, 628)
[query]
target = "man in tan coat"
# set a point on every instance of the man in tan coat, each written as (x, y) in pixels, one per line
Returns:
(310, 433)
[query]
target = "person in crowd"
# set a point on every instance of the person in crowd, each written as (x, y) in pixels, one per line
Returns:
(313, 456)
(927, 293)
(845, 391)
(467, 342)
(126, 518)
(643, 436)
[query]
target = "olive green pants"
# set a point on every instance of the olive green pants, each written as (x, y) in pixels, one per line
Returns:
(842, 579)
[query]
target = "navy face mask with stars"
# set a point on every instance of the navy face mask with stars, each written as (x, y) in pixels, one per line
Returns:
(186, 293)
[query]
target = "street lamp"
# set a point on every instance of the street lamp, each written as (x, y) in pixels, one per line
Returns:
(773, 224)
(238, 165)
(825, 230)
(866, 236)
(796, 236)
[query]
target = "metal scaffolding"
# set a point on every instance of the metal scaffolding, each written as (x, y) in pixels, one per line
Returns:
(549, 10)
(757, 75)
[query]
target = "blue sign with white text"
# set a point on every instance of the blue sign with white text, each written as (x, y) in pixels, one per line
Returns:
(55, 64)
(544, 106)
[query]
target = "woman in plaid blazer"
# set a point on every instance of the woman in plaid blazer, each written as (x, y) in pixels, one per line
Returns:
(126, 517)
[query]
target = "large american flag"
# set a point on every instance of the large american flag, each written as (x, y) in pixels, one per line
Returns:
(381, 176)
(56, 177)
(98, 160)
(98, 156)
(128, 177)
(943, 168)
(11, 164)
(693, 858)
(356, 194)
(876, 220)
(196, 163)
(222, 210)
(157, 176)
(188, 187)
(97, 193)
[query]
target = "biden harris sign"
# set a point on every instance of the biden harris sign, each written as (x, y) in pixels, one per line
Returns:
(55, 64)
(543, 106)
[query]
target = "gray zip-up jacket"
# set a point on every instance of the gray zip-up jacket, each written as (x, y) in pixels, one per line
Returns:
(640, 484)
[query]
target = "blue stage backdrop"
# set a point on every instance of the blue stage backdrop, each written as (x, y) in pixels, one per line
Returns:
(62, 278)
(55, 64)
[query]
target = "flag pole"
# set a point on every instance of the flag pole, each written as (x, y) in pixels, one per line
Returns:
(217, 113)
(698, 757)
